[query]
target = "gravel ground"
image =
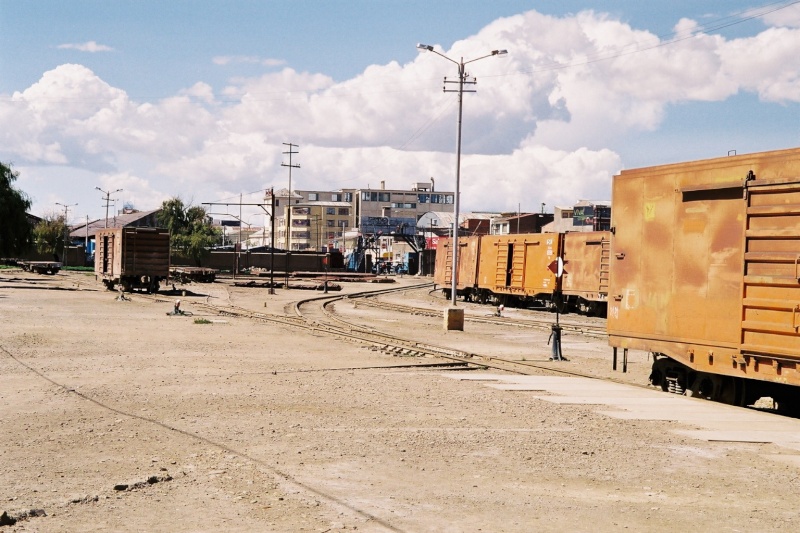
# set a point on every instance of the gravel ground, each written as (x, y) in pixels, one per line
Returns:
(118, 417)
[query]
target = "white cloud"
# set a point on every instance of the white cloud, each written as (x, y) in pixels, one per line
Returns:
(248, 60)
(537, 130)
(787, 18)
(89, 46)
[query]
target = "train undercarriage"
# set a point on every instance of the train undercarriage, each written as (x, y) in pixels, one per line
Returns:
(544, 301)
(677, 378)
(148, 284)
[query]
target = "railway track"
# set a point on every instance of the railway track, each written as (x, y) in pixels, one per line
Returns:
(317, 314)
(594, 331)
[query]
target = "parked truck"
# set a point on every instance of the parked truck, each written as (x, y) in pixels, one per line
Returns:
(133, 258)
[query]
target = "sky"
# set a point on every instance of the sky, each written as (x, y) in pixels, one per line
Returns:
(196, 99)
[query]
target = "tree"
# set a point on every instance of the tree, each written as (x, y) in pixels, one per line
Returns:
(15, 230)
(173, 216)
(191, 232)
(49, 234)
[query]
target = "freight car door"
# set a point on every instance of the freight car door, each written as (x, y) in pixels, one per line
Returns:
(771, 287)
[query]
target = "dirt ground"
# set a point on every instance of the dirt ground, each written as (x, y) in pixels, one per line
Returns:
(118, 417)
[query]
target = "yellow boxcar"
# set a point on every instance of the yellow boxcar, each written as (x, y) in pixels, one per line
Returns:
(466, 277)
(518, 265)
(706, 271)
(584, 282)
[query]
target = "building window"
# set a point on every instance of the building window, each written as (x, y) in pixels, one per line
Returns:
(313, 197)
(330, 210)
(423, 198)
(330, 223)
(344, 211)
(404, 205)
(348, 197)
(301, 211)
(566, 214)
(375, 196)
(301, 222)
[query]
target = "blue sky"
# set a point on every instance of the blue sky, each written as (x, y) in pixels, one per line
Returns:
(194, 98)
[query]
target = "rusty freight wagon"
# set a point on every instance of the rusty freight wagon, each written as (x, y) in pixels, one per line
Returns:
(467, 275)
(705, 274)
(514, 268)
(134, 258)
(584, 283)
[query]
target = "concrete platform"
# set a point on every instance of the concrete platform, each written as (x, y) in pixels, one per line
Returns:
(709, 421)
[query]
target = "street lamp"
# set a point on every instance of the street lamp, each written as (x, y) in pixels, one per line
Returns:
(66, 227)
(462, 80)
(107, 199)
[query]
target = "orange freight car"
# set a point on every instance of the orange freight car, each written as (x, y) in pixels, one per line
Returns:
(706, 274)
(518, 269)
(514, 268)
(584, 283)
(467, 275)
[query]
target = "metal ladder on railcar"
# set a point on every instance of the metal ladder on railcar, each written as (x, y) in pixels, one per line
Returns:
(771, 287)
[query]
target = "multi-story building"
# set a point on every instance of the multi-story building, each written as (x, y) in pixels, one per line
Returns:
(307, 223)
(585, 215)
(397, 210)
(319, 226)
(317, 219)
(520, 223)
(321, 219)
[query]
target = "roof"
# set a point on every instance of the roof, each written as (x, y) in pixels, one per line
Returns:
(604, 203)
(115, 221)
(521, 216)
(479, 216)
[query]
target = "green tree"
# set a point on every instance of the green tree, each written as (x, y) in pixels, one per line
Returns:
(49, 234)
(191, 232)
(15, 230)
(173, 216)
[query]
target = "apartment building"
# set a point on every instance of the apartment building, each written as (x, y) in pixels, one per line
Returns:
(321, 219)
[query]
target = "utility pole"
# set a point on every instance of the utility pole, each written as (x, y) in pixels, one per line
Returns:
(289, 212)
(272, 241)
(66, 227)
(463, 79)
(107, 199)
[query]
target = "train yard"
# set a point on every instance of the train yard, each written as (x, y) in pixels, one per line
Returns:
(341, 412)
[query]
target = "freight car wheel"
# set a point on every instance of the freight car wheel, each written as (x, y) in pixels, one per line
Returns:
(729, 390)
(702, 386)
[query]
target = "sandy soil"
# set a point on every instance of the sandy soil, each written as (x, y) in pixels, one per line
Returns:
(115, 416)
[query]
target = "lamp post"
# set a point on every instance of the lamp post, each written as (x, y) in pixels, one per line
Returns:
(462, 80)
(107, 199)
(66, 227)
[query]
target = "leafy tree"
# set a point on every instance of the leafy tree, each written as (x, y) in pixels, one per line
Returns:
(15, 230)
(49, 234)
(173, 216)
(190, 229)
